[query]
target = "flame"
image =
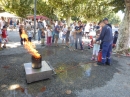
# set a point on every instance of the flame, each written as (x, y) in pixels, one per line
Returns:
(30, 47)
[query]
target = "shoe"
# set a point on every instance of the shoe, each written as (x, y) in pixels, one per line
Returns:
(100, 63)
(96, 59)
(108, 63)
(4, 46)
(92, 58)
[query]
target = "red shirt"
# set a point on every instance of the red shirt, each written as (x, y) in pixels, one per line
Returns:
(4, 34)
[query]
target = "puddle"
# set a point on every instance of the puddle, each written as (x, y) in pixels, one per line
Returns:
(87, 69)
(73, 72)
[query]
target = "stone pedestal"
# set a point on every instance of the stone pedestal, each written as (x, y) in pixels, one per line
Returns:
(33, 75)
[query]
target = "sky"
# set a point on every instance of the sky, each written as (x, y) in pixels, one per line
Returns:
(121, 15)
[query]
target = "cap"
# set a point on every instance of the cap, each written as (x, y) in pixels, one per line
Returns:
(105, 19)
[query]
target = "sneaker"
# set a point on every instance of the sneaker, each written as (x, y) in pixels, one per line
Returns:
(100, 63)
(96, 60)
(4, 46)
(92, 58)
(108, 63)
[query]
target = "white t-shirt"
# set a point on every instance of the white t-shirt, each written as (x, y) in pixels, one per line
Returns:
(64, 30)
(29, 34)
(49, 33)
(1, 24)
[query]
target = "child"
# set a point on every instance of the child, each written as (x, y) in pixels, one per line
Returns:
(67, 37)
(96, 49)
(0, 39)
(115, 38)
(43, 37)
(30, 35)
(4, 36)
(49, 35)
(21, 28)
(72, 38)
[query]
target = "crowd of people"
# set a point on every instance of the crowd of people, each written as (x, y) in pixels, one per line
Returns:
(71, 35)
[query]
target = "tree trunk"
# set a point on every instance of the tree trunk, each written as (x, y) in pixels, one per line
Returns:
(68, 20)
(123, 42)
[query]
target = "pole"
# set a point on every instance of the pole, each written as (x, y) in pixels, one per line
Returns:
(35, 7)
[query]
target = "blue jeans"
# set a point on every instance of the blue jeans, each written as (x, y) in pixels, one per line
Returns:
(39, 35)
(53, 36)
(78, 37)
(106, 52)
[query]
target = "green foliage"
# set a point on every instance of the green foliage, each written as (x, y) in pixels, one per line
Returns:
(44, 9)
(19, 7)
(114, 19)
(117, 5)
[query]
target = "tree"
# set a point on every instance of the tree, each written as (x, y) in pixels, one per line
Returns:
(114, 19)
(19, 7)
(67, 8)
(44, 9)
(96, 10)
(124, 29)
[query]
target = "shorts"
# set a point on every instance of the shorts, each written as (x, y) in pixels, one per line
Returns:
(63, 36)
(0, 40)
(56, 36)
(42, 41)
(87, 32)
(11, 26)
(5, 40)
(67, 39)
(96, 49)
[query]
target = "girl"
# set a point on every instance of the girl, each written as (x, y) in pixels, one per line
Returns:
(30, 35)
(43, 37)
(49, 35)
(96, 49)
(72, 38)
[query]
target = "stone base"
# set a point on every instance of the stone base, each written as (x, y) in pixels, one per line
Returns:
(33, 75)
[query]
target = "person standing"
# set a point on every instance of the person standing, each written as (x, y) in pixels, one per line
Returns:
(106, 22)
(11, 24)
(64, 29)
(53, 30)
(49, 35)
(78, 31)
(4, 36)
(57, 31)
(40, 27)
(106, 37)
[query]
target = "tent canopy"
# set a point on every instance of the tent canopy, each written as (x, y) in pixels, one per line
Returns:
(6, 14)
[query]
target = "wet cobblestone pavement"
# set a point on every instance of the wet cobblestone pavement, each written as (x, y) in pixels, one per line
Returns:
(76, 76)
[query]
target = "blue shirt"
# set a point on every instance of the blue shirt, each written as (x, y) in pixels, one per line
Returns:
(78, 28)
(106, 34)
(56, 29)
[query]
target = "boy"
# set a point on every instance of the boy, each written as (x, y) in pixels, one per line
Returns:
(43, 37)
(0, 39)
(4, 36)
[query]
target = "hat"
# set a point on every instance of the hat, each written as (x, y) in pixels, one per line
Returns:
(105, 19)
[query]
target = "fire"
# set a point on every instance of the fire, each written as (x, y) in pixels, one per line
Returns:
(30, 47)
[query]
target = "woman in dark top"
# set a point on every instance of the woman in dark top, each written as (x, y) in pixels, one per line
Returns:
(115, 38)
(67, 37)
